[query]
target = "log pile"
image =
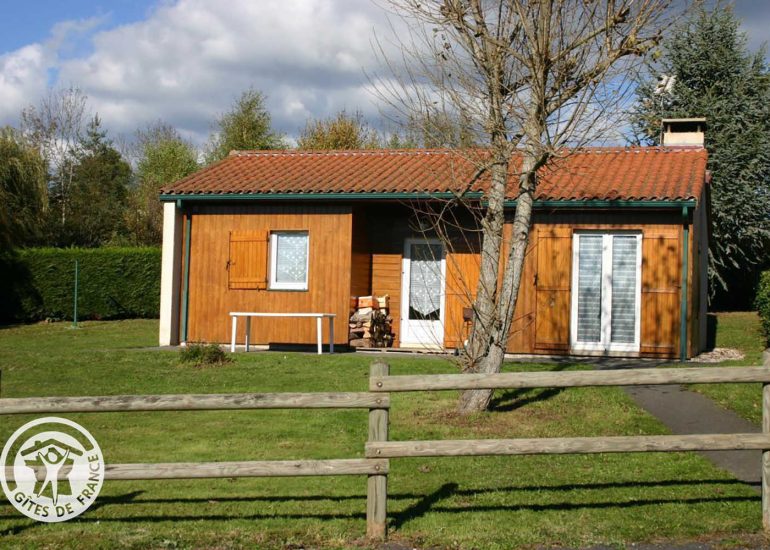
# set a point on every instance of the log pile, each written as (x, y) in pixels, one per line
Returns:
(370, 323)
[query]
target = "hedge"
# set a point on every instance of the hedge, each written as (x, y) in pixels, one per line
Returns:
(763, 303)
(113, 283)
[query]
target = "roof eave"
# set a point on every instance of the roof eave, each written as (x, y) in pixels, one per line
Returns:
(563, 203)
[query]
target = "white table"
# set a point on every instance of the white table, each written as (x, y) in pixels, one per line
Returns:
(317, 316)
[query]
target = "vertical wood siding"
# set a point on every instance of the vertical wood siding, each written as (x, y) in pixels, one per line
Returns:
(210, 299)
(362, 254)
(661, 290)
(386, 279)
(553, 277)
(361, 259)
(542, 319)
(541, 322)
(462, 275)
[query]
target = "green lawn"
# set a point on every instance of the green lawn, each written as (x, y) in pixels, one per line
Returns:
(742, 331)
(495, 502)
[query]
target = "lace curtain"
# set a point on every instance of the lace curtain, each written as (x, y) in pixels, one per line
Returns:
(425, 282)
(291, 258)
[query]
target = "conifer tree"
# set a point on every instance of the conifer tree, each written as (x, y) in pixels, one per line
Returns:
(717, 77)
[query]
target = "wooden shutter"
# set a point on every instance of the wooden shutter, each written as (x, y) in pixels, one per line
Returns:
(661, 291)
(554, 275)
(247, 265)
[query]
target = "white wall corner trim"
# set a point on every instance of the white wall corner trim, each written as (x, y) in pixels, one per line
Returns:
(170, 275)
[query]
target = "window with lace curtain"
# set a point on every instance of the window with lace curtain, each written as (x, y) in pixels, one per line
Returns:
(289, 260)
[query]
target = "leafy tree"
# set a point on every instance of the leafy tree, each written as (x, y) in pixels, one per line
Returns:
(163, 157)
(99, 188)
(435, 128)
(716, 76)
(342, 131)
(55, 127)
(23, 194)
(245, 126)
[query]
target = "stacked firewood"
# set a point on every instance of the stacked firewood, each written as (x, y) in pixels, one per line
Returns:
(370, 322)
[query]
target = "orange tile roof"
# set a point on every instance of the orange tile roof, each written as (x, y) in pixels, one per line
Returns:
(632, 173)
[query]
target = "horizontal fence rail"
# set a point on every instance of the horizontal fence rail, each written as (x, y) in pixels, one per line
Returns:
(569, 445)
(261, 468)
(568, 379)
(194, 402)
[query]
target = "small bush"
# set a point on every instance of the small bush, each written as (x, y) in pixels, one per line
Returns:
(200, 355)
(763, 303)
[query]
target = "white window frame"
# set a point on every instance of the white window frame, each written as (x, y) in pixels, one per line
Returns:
(605, 344)
(275, 284)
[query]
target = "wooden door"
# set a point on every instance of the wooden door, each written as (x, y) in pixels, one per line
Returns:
(552, 281)
(661, 291)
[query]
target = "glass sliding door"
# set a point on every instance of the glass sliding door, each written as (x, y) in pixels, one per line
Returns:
(606, 290)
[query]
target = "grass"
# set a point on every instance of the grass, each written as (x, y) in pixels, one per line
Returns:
(490, 502)
(742, 331)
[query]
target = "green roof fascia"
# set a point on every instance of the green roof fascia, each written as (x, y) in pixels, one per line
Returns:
(424, 196)
(610, 204)
(310, 196)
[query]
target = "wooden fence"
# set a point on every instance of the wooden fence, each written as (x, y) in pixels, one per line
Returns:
(376, 469)
(378, 449)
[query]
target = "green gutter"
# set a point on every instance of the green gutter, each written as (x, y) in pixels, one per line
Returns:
(186, 279)
(685, 270)
(311, 196)
(422, 196)
(609, 204)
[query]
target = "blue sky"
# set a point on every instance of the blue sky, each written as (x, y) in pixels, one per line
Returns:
(25, 22)
(184, 61)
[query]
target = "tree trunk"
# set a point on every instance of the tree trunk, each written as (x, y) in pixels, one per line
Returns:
(478, 400)
(486, 289)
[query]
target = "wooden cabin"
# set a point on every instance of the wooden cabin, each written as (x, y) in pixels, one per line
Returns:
(616, 263)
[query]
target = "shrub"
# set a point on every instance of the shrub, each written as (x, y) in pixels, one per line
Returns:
(113, 283)
(763, 303)
(200, 355)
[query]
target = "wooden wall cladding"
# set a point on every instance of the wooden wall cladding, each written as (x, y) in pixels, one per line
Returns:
(386, 279)
(361, 254)
(462, 275)
(661, 290)
(553, 279)
(361, 260)
(661, 285)
(329, 280)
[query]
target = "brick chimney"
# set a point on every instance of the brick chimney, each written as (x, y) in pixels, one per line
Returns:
(683, 132)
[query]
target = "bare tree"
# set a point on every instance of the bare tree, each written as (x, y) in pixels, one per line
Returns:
(55, 127)
(531, 80)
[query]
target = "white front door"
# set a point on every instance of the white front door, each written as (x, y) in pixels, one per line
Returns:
(422, 293)
(606, 291)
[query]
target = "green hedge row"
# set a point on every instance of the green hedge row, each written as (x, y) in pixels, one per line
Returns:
(763, 302)
(113, 283)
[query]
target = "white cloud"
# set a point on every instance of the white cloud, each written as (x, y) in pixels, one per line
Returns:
(188, 61)
(26, 73)
(23, 75)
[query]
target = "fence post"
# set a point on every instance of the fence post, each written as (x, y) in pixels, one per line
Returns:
(377, 485)
(766, 452)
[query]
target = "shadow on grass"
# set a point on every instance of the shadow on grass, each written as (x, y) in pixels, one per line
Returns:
(510, 400)
(430, 503)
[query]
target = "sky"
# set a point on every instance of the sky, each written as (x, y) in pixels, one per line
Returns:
(186, 61)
